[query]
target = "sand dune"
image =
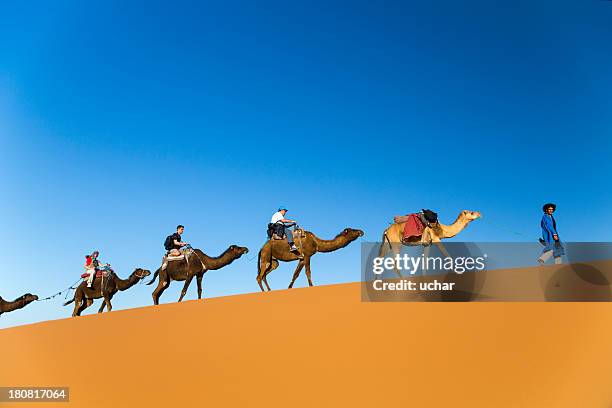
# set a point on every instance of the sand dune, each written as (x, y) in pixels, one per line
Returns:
(321, 346)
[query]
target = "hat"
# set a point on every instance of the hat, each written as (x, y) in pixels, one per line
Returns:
(282, 207)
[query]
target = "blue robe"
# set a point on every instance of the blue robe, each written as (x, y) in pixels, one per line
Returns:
(548, 230)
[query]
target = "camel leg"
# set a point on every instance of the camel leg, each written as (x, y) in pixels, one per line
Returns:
(261, 273)
(296, 273)
(83, 305)
(382, 252)
(199, 282)
(426, 249)
(101, 309)
(265, 279)
(395, 250)
(161, 287)
(272, 267)
(442, 249)
(307, 265)
(259, 280)
(109, 306)
(77, 308)
(185, 287)
(393, 246)
(260, 285)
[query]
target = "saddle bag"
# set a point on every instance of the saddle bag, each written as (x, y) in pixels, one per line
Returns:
(276, 231)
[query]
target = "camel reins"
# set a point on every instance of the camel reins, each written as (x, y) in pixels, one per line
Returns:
(60, 292)
(141, 279)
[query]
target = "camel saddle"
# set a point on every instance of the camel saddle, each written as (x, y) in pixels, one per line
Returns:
(184, 256)
(99, 274)
(413, 226)
(297, 235)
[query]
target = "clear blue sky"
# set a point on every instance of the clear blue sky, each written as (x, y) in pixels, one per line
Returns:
(119, 120)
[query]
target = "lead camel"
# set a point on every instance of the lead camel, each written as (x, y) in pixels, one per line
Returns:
(393, 235)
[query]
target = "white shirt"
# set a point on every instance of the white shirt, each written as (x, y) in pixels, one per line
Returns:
(278, 216)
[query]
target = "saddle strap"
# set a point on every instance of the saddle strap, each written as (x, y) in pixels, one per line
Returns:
(200, 259)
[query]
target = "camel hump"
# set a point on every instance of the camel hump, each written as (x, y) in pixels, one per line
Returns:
(398, 219)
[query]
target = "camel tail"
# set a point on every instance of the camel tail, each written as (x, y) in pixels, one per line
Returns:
(384, 238)
(154, 277)
(258, 263)
(68, 302)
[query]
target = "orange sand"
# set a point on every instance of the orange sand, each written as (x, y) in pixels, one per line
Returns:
(321, 347)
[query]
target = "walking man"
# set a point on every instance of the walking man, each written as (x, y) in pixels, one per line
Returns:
(550, 237)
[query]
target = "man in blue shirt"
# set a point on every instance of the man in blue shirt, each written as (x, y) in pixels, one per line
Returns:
(550, 237)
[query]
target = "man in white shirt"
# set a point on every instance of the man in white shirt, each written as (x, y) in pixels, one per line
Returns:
(279, 219)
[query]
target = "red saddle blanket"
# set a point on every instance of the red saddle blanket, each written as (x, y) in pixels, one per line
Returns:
(99, 274)
(413, 227)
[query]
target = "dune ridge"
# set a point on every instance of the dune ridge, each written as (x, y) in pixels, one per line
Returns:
(322, 347)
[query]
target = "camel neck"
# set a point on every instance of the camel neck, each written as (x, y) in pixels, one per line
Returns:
(329, 245)
(217, 262)
(14, 305)
(123, 284)
(449, 231)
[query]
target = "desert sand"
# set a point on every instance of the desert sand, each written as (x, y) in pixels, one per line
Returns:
(322, 347)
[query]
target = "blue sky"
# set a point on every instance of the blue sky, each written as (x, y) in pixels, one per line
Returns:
(119, 120)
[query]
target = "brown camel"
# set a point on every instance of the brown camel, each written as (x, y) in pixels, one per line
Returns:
(434, 235)
(105, 288)
(278, 250)
(198, 264)
(18, 303)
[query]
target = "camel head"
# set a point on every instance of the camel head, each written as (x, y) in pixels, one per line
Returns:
(470, 215)
(29, 298)
(141, 273)
(351, 234)
(237, 251)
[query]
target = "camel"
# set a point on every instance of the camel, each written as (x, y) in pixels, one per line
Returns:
(434, 235)
(105, 288)
(198, 264)
(19, 303)
(278, 250)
